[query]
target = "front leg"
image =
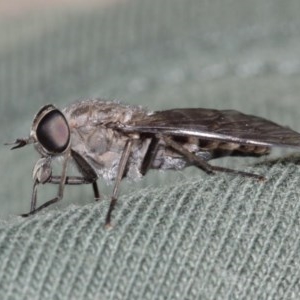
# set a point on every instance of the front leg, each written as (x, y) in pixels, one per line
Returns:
(42, 174)
(78, 180)
(70, 180)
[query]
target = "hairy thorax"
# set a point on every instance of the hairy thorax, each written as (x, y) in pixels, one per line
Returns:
(94, 136)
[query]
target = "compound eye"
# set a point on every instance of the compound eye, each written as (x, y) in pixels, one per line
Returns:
(53, 132)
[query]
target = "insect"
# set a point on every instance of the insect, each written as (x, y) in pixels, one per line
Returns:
(112, 140)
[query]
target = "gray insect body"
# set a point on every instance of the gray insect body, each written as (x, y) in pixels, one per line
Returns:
(111, 140)
(93, 125)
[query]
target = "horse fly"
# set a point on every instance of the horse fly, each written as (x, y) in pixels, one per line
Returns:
(112, 140)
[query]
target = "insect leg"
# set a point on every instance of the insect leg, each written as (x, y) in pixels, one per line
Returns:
(87, 171)
(77, 180)
(33, 196)
(120, 174)
(59, 196)
(55, 180)
(150, 155)
(96, 191)
(202, 164)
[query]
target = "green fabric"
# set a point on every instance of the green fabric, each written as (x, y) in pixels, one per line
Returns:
(177, 235)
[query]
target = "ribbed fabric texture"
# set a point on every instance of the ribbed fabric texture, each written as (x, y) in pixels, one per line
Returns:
(220, 238)
(177, 235)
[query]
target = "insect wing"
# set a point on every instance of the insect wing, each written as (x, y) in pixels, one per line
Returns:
(221, 125)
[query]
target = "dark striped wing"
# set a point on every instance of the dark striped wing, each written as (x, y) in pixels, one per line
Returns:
(221, 125)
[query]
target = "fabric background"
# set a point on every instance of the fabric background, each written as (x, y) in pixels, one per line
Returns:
(177, 235)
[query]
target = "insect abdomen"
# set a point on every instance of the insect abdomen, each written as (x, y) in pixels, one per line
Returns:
(210, 145)
(220, 149)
